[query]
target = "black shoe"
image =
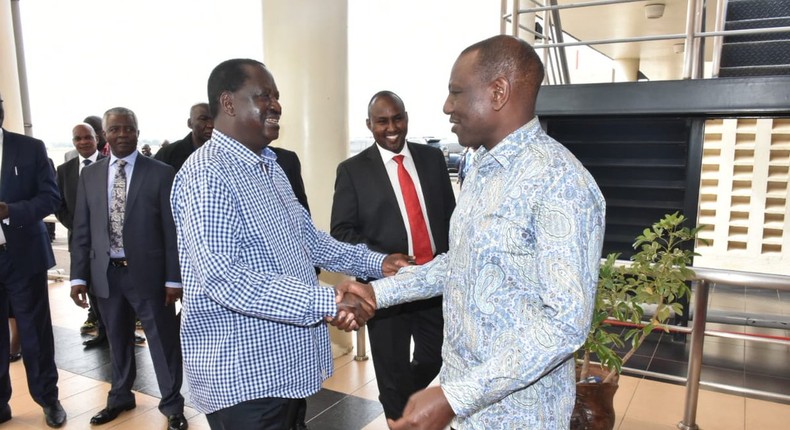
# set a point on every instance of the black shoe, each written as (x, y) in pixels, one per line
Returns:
(177, 422)
(5, 413)
(139, 339)
(14, 357)
(108, 414)
(55, 414)
(98, 340)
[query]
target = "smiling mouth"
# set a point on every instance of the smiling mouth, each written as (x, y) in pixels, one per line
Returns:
(273, 121)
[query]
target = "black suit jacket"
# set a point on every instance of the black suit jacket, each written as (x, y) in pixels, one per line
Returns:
(68, 174)
(27, 185)
(176, 153)
(290, 164)
(149, 233)
(365, 209)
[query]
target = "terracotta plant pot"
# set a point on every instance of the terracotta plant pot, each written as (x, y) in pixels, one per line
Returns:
(594, 409)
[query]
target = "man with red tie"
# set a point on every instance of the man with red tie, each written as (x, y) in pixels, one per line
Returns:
(396, 197)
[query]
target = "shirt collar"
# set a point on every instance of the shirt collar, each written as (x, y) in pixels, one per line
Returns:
(130, 159)
(242, 154)
(506, 151)
(387, 155)
(93, 157)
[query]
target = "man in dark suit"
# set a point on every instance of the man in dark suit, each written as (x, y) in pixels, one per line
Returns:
(28, 193)
(86, 146)
(202, 124)
(292, 167)
(125, 244)
(369, 207)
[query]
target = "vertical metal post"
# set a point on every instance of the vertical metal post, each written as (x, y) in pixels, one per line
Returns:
(516, 18)
(688, 55)
(362, 346)
(695, 356)
(721, 16)
(697, 43)
(503, 21)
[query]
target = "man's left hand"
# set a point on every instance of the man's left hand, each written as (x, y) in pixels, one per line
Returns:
(393, 263)
(172, 295)
(427, 409)
(3, 210)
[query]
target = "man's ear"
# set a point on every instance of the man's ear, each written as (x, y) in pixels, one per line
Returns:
(226, 103)
(500, 92)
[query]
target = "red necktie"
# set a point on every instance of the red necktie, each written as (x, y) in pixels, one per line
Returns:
(421, 242)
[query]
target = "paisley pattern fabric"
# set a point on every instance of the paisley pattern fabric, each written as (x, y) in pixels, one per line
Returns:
(518, 281)
(117, 207)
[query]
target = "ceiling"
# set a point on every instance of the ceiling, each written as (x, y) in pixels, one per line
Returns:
(657, 59)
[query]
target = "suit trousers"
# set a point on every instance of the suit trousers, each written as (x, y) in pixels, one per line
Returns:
(271, 413)
(399, 375)
(162, 331)
(29, 298)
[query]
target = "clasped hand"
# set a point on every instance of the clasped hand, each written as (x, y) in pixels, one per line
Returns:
(356, 302)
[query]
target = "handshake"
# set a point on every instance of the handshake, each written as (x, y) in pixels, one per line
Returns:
(356, 302)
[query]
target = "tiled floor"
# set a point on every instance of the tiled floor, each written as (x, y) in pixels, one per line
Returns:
(349, 399)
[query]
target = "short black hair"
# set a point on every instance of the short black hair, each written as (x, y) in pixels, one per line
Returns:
(507, 56)
(385, 93)
(229, 75)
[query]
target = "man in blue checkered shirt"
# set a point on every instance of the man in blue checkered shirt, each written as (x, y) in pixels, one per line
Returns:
(253, 332)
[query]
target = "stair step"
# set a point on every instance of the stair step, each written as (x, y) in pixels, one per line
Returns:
(752, 71)
(738, 10)
(765, 53)
(758, 23)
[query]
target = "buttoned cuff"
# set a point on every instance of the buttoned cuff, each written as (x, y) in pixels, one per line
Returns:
(324, 300)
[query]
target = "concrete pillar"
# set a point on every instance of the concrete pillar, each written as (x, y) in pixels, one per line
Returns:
(626, 69)
(306, 48)
(9, 77)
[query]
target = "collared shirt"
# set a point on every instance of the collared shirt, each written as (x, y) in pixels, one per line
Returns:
(519, 284)
(252, 322)
(93, 159)
(392, 172)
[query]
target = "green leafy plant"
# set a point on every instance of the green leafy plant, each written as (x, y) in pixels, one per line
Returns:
(657, 276)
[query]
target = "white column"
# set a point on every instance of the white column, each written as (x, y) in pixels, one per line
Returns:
(9, 77)
(306, 48)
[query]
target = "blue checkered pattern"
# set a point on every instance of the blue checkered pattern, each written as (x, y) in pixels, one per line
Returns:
(252, 323)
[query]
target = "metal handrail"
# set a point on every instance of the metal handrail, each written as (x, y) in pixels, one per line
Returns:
(694, 36)
(707, 277)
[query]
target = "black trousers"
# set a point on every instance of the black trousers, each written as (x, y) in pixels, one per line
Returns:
(29, 298)
(271, 413)
(398, 374)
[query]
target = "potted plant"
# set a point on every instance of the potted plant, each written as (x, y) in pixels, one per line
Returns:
(657, 277)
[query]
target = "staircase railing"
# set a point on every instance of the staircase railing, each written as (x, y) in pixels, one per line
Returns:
(693, 37)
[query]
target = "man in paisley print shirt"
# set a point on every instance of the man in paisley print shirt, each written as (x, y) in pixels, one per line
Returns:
(520, 276)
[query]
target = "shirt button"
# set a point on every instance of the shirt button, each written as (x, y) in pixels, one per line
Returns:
(323, 373)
